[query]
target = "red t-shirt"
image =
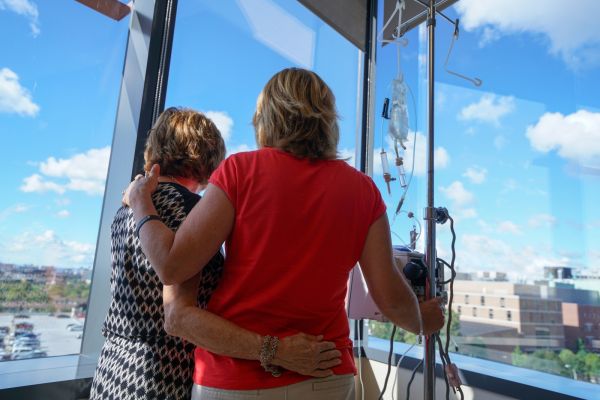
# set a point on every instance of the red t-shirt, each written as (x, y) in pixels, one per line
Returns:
(300, 226)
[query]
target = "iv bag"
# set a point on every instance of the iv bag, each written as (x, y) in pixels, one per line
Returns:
(398, 125)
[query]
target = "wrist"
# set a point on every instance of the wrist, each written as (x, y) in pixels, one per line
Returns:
(279, 356)
(268, 350)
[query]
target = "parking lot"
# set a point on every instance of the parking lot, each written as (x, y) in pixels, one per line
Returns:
(55, 338)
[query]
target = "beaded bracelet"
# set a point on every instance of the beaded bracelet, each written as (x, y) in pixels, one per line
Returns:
(268, 350)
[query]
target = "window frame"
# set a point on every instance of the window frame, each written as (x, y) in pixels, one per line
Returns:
(143, 67)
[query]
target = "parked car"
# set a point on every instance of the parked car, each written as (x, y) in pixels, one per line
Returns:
(27, 342)
(20, 316)
(75, 328)
(24, 335)
(24, 326)
(63, 316)
(25, 353)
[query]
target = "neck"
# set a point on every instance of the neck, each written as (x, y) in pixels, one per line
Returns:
(190, 184)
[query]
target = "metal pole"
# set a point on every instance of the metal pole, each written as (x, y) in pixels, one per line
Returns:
(430, 254)
(368, 100)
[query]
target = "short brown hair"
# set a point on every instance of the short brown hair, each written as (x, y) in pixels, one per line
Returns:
(184, 143)
(296, 113)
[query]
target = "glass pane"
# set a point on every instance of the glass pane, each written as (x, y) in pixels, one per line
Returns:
(225, 52)
(517, 166)
(59, 79)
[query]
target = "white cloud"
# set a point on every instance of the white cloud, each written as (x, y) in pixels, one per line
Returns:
(565, 27)
(223, 122)
(460, 214)
(14, 98)
(488, 35)
(85, 172)
(457, 193)
(441, 156)
(16, 209)
(63, 214)
(476, 174)
(479, 252)
(542, 221)
(46, 248)
(240, 148)
(35, 183)
(347, 155)
(509, 227)
(575, 137)
(25, 8)
(467, 213)
(490, 108)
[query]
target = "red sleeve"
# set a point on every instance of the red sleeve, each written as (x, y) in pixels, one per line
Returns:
(225, 177)
(377, 205)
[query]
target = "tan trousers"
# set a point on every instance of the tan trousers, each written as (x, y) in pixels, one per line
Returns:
(340, 387)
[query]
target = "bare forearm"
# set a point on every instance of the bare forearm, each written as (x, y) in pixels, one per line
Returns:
(402, 307)
(156, 238)
(388, 287)
(213, 333)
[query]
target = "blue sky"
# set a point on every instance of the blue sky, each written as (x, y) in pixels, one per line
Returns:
(518, 158)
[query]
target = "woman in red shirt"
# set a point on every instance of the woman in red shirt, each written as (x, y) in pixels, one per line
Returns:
(295, 220)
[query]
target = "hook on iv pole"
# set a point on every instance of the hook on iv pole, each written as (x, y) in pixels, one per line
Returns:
(475, 81)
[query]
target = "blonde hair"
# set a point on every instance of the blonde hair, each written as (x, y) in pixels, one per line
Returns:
(184, 143)
(296, 112)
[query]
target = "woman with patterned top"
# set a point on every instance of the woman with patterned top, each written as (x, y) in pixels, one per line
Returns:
(139, 359)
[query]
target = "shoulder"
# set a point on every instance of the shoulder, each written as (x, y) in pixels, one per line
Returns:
(243, 157)
(173, 197)
(351, 172)
(241, 161)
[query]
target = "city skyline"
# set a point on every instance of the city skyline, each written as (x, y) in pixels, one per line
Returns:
(522, 190)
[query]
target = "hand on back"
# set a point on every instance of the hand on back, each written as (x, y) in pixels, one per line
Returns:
(307, 355)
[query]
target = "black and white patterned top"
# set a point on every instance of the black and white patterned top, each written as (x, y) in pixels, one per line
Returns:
(139, 359)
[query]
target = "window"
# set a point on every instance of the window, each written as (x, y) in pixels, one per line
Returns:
(508, 316)
(220, 66)
(458, 309)
(503, 167)
(491, 313)
(60, 75)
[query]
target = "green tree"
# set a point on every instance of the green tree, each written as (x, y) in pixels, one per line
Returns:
(592, 365)
(519, 358)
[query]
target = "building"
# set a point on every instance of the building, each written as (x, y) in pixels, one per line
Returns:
(582, 321)
(504, 315)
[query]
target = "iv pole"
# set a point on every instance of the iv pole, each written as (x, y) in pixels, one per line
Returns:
(430, 211)
(432, 215)
(430, 253)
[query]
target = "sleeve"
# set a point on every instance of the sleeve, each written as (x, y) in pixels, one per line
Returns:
(377, 205)
(225, 177)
